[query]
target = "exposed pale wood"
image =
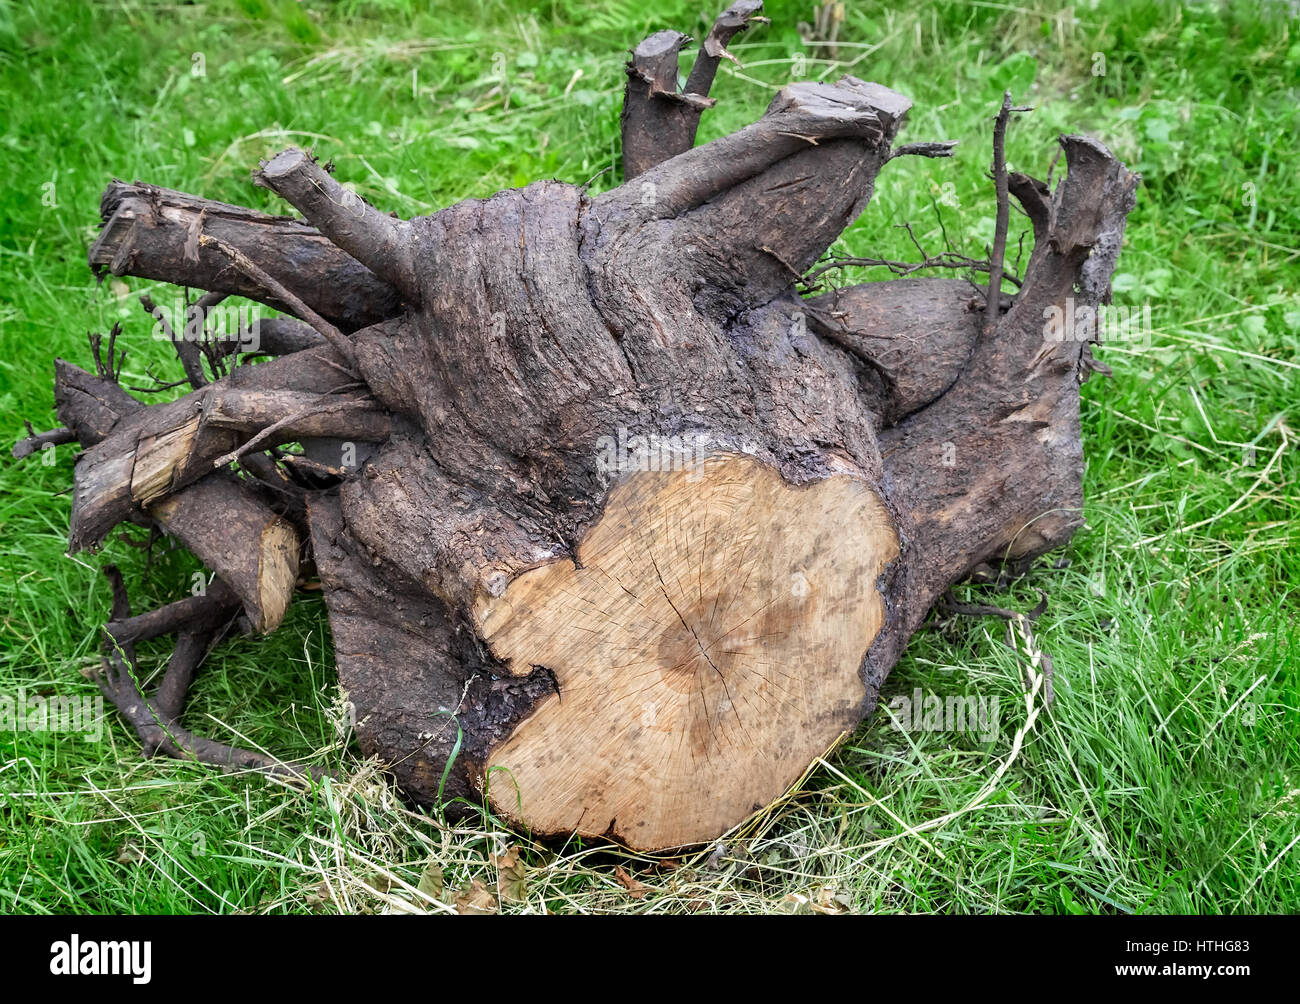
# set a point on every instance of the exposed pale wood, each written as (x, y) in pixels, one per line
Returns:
(220, 518)
(159, 458)
(256, 550)
(277, 573)
(706, 647)
(156, 451)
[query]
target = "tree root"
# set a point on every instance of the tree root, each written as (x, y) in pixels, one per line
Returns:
(586, 639)
(156, 722)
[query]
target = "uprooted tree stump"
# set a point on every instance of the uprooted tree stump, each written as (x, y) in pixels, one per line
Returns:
(616, 530)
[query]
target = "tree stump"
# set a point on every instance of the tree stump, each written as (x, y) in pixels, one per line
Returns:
(617, 531)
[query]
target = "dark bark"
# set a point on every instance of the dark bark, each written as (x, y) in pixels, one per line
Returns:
(153, 452)
(151, 233)
(35, 441)
(504, 603)
(205, 612)
(659, 121)
(155, 721)
(243, 539)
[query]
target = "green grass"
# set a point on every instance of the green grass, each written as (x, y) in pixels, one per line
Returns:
(1165, 776)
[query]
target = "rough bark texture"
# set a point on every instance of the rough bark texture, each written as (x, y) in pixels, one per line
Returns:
(659, 121)
(644, 651)
(153, 232)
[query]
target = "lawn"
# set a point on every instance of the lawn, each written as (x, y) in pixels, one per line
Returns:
(1164, 776)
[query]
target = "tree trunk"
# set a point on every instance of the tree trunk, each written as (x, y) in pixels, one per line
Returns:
(636, 532)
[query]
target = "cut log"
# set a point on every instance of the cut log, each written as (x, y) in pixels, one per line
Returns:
(617, 532)
(256, 549)
(706, 636)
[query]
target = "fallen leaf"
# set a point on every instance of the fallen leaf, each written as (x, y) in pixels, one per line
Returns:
(431, 881)
(318, 895)
(635, 889)
(475, 899)
(512, 876)
(828, 900)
